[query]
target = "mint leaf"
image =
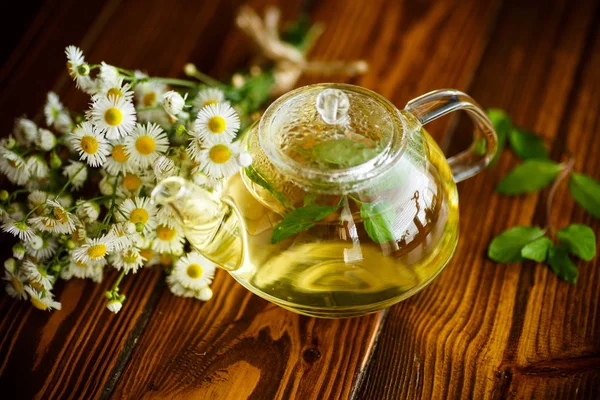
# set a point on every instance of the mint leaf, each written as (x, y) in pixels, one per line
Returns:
(586, 191)
(529, 176)
(579, 239)
(378, 219)
(300, 220)
(506, 247)
(257, 178)
(537, 250)
(502, 125)
(343, 152)
(561, 264)
(527, 144)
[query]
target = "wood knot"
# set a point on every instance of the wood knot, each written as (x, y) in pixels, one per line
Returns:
(311, 355)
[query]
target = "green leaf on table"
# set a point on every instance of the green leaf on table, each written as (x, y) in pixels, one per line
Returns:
(528, 177)
(579, 240)
(343, 152)
(527, 144)
(502, 125)
(561, 264)
(300, 220)
(537, 250)
(378, 219)
(586, 191)
(507, 246)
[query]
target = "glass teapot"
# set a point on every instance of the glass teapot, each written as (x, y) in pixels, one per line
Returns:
(348, 207)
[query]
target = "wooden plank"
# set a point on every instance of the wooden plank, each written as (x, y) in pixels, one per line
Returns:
(238, 345)
(78, 351)
(484, 330)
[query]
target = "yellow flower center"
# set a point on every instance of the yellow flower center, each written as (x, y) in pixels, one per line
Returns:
(219, 154)
(36, 285)
(114, 92)
(147, 253)
(80, 264)
(145, 145)
(61, 215)
(194, 271)
(39, 304)
(217, 124)
(139, 215)
(113, 116)
(130, 256)
(71, 70)
(165, 233)
(16, 283)
(132, 182)
(89, 144)
(165, 260)
(119, 154)
(149, 99)
(12, 163)
(208, 103)
(97, 251)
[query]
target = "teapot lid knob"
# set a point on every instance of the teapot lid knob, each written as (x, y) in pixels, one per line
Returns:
(333, 106)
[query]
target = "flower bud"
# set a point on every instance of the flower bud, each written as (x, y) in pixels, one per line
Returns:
(18, 251)
(10, 143)
(114, 306)
(83, 69)
(36, 242)
(204, 294)
(245, 159)
(71, 245)
(3, 195)
(55, 268)
(180, 130)
(45, 140)
(55, 161)
(173, 103)
(10, 264)
(190, 69)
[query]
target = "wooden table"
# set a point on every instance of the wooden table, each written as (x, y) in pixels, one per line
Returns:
(481, 330)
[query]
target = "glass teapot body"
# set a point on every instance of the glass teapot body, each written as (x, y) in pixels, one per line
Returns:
(349, 205)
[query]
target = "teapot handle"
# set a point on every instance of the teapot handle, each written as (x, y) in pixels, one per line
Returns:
(435, 104)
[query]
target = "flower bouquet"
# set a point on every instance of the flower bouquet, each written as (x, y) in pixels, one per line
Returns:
(79, 202)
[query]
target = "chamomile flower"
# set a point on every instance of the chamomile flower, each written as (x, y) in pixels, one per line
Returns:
(145, 144)
(52, 108)
(37, 276)
(87, 210)
(207, 97)
(63, 123)
(83, 270)
(118, 160)
(37, 198)
(90, 144)
(42, 300)
(114, 87)
(178, 289)
(107, 73)
(18, 251)
(13, 166)
(138, 210)
(15, 286)
(124, 235)
(15, 212)
(107, 184)
(148, 94)
(164, 167)
(128, 259)
(19, 229)
(217, 120)
(114, 116)
(78, 68)
(37, 167)
(45, 140)
(45, 251)
(55, 220)
(114, 305)
(167, 239)
(25, 131)
(166, 216)
(194, 271)
(94, 250)
(131, 183)
(218, 159)
(77, 173)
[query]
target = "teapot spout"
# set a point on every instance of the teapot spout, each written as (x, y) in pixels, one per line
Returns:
(210, 224)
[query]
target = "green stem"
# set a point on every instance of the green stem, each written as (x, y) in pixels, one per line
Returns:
(148, 109)
(202, 77)
(167, 81)
(561, 177)
(68, 183)
(16, 192)
(115, 287)
(108, 216)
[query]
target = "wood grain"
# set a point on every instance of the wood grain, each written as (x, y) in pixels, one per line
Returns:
(484, 330)
(481, 330)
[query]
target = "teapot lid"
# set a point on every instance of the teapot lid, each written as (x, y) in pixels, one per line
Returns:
(331, 134)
